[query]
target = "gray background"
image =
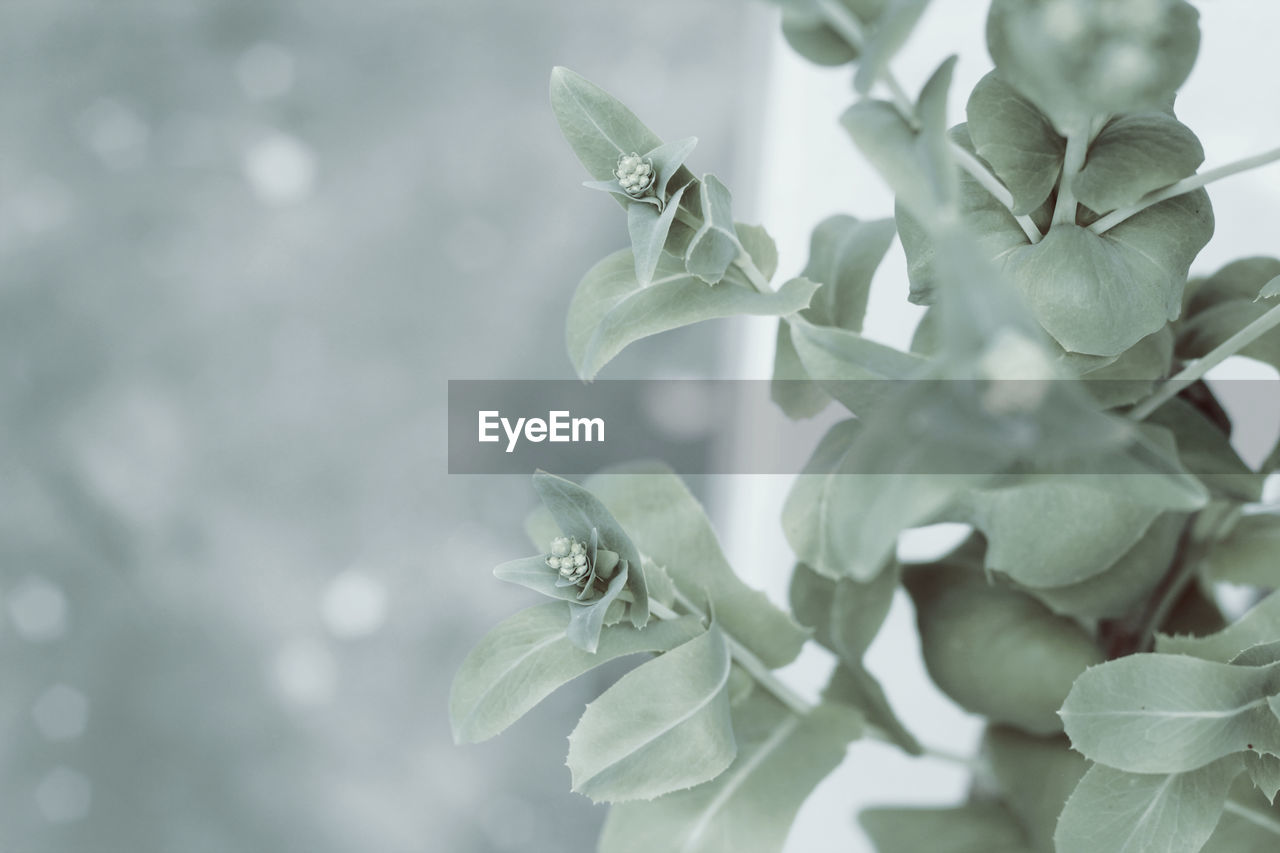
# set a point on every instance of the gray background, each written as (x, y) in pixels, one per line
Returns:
(244, 246)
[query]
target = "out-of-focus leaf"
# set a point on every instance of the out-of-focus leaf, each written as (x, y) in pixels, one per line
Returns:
(748, 808)
(1035, 776)
(809, 31)
(1224, 304)
(1116, 812)
(977, 826)
(1077, 58)
(994, 650)
(1248, 553)
(1163, 713)
(662, 727)
(526, 657)
(611, 309)
(851, 684)
(844, 253)
(1248, 825)
(884, 40)
(1206, 451)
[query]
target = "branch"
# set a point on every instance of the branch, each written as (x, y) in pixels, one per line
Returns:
(1186, 185)
(1197, 368)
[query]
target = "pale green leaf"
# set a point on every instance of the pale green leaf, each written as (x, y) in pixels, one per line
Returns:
(1248, 553)
(889, 34)
(1206, 451)
(977, 827)
(1164, 713)
(1116, 812)
(1035, 776)
(1133, 155)
(808, 29)
(1127, 582)
(596, 125)
(1099, 62)
(1264, 771)
(1133, 374)
(668, 524)
(611, 309)
(848, 366)
(1224, 304)
(791, 388)
(1017, 140)
(1260, 625)
(994, 650)
(1248, 825)
(853, 685)
(662, 727)
(748, 808)
(715, 244)
(844, 253)
(649, 229)
(893, 149)
(526, 657)
(760, 247)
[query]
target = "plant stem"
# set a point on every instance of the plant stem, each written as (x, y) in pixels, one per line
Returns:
(1186, 185)
(743, 261)
(991, 184)
(1073, 161)
(1197, 368)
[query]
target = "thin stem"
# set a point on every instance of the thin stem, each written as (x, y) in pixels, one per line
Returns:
(1254, 816)
(1197, 368)
(1073, 161)
(851, 30)
(1186, 185)
(991, 184)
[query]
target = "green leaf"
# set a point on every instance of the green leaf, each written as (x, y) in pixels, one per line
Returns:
(1116, 812)
(1224, 304)
(649, 230)
(1127, 582)
(669, 525)
(845, 614)
(1017, 140)
(1248, 553)
(662, 727)
(1035, 776)
(748, 808)
(715, 244)
(791, 388)
(596, 125)
(1165, 713)
(811, 35)
(1134, 373)
(1101, 294)
(1206, 451)
(994, 650)
(851, 684)
(888, 35)
(578, 513)
(844, 253)
(847, 366)
(611, 309)
(1260, 625)
(899, 154)
(526, 657)
(1134, 155)
(1079, 58)
(1264, 770)
(976, 826)
(760, 247)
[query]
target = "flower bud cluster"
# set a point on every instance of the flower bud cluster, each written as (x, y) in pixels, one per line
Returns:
(569, 558)
(635, 174)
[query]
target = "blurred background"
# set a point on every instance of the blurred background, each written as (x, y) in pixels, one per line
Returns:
(245, 244)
